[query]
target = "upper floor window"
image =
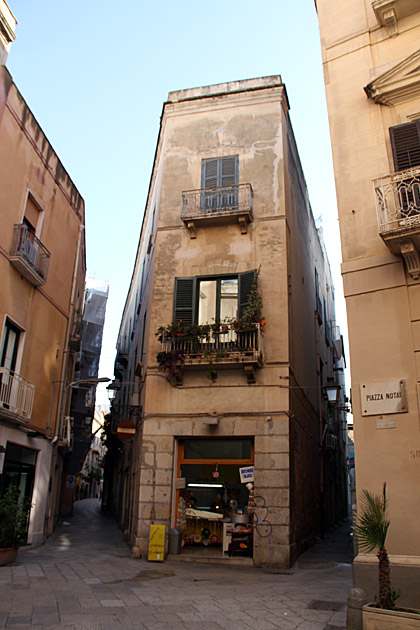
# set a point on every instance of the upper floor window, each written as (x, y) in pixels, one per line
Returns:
(221, 171)
(10, 346)
(212, 298)
(405, 143)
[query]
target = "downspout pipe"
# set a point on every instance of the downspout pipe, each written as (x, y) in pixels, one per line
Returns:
(64, 363)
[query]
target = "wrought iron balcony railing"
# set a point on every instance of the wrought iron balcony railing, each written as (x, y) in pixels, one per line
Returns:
(398, 202)
(230, 347)
(16, 394)
(225, 204)
(29, 256)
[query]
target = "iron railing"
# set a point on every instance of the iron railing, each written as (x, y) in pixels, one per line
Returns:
(230, 346)
(398, 200)
(30, 249)
(222, 200)
(16, 394)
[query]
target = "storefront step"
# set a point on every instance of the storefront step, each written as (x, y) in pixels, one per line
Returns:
(195, 557)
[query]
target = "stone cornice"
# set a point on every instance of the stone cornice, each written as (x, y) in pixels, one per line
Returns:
(399, 84)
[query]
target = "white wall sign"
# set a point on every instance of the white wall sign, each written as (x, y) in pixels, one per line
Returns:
(384, 397)
(247, 474)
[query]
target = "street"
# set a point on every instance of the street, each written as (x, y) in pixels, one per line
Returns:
(82, 578)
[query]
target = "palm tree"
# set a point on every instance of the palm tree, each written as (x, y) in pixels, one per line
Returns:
(371, 528)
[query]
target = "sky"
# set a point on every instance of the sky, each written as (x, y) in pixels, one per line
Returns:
(96, 73)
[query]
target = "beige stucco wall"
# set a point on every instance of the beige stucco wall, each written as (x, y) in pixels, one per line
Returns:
(382, 299)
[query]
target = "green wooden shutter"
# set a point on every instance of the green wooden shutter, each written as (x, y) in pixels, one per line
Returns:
(184, 301)
(245, 283)
(405, 142)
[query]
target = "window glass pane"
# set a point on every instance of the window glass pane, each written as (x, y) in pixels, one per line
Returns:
(223, 495)
(217, 449)
(207, 301)
(228, 298)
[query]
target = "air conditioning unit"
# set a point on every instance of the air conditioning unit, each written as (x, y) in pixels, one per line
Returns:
(135, 400)
(65, 437)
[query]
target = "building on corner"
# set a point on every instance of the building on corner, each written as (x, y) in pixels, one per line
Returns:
(371, 56)
(217, 387)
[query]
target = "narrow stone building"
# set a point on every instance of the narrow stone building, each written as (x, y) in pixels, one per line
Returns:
(228, 341)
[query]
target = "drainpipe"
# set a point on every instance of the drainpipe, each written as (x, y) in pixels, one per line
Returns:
(321, 425)
(60, 403)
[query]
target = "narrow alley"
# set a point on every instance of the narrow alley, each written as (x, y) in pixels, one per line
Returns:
(82, 578)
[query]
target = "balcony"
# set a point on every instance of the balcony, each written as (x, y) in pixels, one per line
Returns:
(29, 256)
(16, 395)
(398, 210)
(218, 206)
(227, 349)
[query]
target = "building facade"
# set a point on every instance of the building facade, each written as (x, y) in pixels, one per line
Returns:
(42, 271)
(227, 339)
(371, 61)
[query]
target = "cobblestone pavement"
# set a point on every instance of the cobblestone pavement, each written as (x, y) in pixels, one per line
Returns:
(83, 579)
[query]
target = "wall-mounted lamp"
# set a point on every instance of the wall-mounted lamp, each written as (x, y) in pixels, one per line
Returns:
(332, 392)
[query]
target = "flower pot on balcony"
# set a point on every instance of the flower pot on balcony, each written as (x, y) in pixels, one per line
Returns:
(381, 619)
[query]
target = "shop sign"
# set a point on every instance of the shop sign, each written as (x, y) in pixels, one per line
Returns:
(126, 430)
(247, 474)
(156, 543)
(383, 397)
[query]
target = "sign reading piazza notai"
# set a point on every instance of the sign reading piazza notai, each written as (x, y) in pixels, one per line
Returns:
(383, 397)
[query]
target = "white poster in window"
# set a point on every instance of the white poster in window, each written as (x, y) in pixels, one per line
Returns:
(247, 474)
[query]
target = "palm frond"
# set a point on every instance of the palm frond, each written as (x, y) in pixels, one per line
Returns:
(372, 521)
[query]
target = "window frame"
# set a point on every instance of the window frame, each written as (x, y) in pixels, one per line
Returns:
(186, 294)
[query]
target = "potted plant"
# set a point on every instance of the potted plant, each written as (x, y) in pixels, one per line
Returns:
(371, 527)
(14, 516)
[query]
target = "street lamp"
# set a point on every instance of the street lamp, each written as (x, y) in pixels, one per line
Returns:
(332, 392)
(92, 381)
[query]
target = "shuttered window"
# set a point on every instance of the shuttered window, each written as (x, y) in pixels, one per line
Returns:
(405, 142)
(187, 295)
(217, 172)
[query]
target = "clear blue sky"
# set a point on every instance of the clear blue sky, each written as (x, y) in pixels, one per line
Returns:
(96, 73)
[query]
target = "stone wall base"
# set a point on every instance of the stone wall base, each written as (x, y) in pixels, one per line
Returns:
(404, 577)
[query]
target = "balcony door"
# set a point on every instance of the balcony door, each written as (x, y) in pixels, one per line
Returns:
(10, 346)
(405, 142)
(8, 359)
(219, 179)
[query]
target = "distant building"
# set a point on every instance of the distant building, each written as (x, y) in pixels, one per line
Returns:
(90, 477)
(224, 384)
(42, 271)
(82, 408)
(371, 55)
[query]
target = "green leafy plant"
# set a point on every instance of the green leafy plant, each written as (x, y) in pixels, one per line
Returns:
(371, 527)
(253, 309)
(14, 517)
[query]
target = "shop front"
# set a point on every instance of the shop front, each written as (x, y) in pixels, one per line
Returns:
(214, 499)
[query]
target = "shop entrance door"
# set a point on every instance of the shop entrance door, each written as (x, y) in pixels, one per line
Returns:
(213, 496)
(19, 470)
